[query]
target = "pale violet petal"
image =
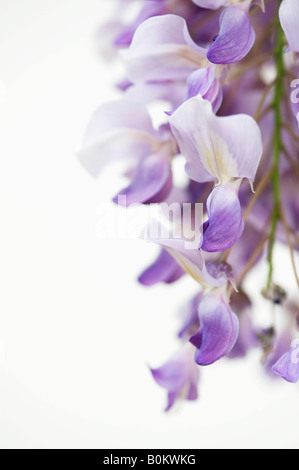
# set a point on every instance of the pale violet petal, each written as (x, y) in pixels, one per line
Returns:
(235, 39)
(210, 4)
(216, 148)
(289, 19)
(118, 129)
(162, 49)
(225, 224)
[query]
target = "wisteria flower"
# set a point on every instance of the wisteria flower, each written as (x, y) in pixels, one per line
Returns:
(218, 149)
(123, 130)
(179, 376)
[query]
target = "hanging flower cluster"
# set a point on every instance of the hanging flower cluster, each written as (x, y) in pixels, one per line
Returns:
(226, 70)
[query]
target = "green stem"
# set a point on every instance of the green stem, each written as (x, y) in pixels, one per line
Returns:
(277, 145)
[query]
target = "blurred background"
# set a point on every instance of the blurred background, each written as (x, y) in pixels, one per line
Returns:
(77, 332)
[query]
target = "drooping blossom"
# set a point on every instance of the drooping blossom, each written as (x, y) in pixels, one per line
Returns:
(288, 365)
(220, 80)
(179, 377)
(235, 38)
(218, 332)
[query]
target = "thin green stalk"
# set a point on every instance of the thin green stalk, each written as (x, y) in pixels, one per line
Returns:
(277, 145)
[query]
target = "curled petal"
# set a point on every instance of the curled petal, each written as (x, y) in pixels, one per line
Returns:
(118, 129)
(152, 182)
(203, 82)
(164, 269)
(162, 49)
(216, 148)
(288, 15)
(288, 365)
(275, 346)
(218, 333)
(260, 3)
(215, 4)
(225, 224)
(235, 39)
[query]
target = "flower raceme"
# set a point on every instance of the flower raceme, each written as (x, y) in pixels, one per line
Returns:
(218, 149)
(216, 77)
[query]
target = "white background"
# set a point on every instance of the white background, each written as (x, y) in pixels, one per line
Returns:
(76, 331)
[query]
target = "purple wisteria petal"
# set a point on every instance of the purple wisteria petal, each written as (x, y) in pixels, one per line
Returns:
(225, 224)
(220, 270)
(179, 376)
(216, 148)
(235, 39)
(191, 260)
(164, 269)
(162, 49)
(117, 130)
(152, 182)
(288, 15)
(218, 332)
(203, 82)
(227, 107)
(215, 4)
(288, 365)
(210, 4)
